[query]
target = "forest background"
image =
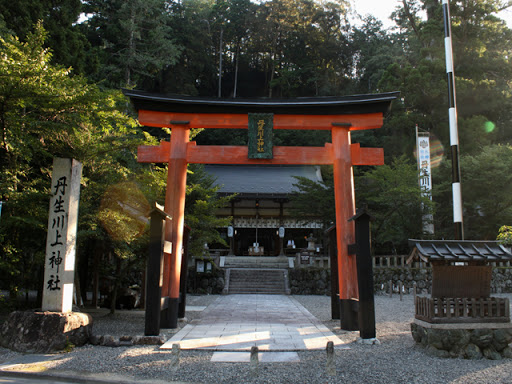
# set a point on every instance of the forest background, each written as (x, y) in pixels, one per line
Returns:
(63, 63)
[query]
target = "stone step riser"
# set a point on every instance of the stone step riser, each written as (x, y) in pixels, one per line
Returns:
(253, 289)
(257, 278)
(239, 285)
(281, 266)
(256, 281)
(257, 292)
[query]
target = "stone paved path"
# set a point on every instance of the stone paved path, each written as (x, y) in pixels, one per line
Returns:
(271, 322)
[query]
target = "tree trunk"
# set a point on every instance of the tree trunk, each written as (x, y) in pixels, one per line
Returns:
(115, 288)
(237, 54)
(219, 94)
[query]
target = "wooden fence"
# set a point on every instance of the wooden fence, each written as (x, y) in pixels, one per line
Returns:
(396, 261)
(400, 261)
(463, 310)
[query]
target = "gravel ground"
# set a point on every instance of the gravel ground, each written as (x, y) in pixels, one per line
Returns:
(396, 360)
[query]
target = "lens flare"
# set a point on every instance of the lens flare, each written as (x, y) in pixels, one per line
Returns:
(489, 126)
(436, 151)
(123, 211)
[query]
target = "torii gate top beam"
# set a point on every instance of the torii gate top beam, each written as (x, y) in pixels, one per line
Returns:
(356, 112)
(353, 104)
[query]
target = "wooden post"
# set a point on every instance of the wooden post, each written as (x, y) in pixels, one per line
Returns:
(154, 274)
(331, 362)
(335, 302)
(184, 274)
(345, 209)
(175, 206)
(366, 310)
(254, 360)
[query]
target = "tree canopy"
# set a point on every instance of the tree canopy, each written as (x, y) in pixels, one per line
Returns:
(62, 63)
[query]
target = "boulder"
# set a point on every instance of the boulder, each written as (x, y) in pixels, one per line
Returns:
(491, 353)
(502, 338)
(482, 337)
(44, 332)
(472, 352)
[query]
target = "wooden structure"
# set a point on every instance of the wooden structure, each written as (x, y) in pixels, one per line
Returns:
(260, 212)
(159, 314)
(339, 115)
(358, 314)
(461, 281)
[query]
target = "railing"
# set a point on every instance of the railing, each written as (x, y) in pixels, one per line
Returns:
(400, 261)
(396, 261)
(501, 263)
(463, 310)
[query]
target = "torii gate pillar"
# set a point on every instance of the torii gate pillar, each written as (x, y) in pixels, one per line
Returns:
(175, 207)
(345, 209)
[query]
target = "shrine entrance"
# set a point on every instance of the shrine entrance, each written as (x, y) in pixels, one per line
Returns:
(260, 117)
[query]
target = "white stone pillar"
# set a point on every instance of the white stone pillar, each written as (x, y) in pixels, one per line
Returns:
(59, 270)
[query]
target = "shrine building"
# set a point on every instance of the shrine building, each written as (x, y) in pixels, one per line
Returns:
(262, 206)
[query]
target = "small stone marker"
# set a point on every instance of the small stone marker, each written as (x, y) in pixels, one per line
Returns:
(59, 271)
(254, 360)
(175, 357)
(331, 364)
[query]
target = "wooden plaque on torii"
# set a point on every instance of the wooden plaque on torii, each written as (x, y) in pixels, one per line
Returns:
(340, 115)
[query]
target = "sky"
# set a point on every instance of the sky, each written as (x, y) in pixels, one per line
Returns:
(382, 9)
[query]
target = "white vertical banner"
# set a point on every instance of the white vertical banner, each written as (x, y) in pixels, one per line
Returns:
(425, 174)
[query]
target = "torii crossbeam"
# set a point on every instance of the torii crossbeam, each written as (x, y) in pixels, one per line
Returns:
(339, 115)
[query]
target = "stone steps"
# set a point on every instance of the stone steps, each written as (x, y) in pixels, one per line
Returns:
(261, 262)
(263, 281)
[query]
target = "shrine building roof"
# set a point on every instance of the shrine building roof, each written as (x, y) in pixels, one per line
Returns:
(458, 250)
(260, 181)
(353, 104)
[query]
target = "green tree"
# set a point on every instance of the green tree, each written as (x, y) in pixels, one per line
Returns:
(195, 70)
(201, 204)
(482, 46)
(45, 112)
(486, 193)
(39, 109)
(505, 235)
(394, 198)
(134, 39)
(68, 43)
(391, 192)
(315, 199)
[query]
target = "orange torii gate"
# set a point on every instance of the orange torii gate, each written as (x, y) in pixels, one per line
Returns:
(340, 115)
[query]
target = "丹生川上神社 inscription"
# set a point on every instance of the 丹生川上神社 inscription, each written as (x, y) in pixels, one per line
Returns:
(59, 270)
(261, 127)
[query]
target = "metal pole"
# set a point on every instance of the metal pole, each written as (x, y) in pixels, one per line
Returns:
(454, 135)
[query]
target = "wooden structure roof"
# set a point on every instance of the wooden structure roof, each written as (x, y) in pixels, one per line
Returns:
(253, 181)
(354, 104)
(458, 251)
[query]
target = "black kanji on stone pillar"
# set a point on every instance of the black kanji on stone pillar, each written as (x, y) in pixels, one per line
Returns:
(366, 313)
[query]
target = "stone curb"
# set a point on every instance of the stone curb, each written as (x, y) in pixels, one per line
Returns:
(81, 379)
(125, 341)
